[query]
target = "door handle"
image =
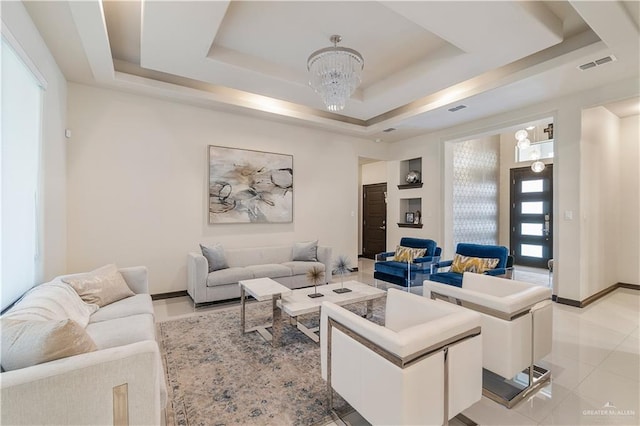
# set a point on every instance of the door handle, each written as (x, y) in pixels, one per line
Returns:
(383, 227)
(546, 225)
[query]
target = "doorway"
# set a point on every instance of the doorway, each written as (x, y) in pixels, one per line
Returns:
(531, 224)
(374, 219)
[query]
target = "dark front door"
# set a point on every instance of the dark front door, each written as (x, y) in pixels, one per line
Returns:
(531, 216)
(374, 219)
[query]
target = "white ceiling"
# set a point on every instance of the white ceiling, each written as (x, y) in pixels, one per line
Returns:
(421, 57)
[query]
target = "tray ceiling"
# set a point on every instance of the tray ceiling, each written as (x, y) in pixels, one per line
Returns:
(421, 58)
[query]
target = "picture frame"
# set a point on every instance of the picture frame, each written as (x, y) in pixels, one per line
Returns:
(247, 186)
(409, 217)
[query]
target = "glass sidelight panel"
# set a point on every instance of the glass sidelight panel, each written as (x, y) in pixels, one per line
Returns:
(529, 186)
(532, 207)
(531, 229)
(531, 250)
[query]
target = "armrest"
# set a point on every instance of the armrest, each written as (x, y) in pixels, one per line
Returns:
(324, 256)
(440, 322)
(137, 278)
(427, 259)
(495, 272)
(508, 297)
(41, 394)
(383, 256)
(197, 272)
(442, 264)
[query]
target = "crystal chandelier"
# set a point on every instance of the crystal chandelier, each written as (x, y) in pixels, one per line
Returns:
(334, 73)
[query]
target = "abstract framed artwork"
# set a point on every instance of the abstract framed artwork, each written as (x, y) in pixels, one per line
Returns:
(247, 186)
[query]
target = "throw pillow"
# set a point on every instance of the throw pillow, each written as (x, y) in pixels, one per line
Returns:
(102, 286)
(407, 254)
(215, 257)
(307, 252)
(27, 343)
(479, 265)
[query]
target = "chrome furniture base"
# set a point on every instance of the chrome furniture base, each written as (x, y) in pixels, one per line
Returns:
(275, 326)
(509, 392)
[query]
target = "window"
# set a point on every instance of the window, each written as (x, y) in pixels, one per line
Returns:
(536, 151)
(19, 175)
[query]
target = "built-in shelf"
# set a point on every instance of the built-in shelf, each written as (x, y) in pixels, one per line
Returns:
(406, 166)
(410, 225)
(410, 185)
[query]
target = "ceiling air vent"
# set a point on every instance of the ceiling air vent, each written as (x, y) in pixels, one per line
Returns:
(597, 62)
(457, 108)
(390, 129)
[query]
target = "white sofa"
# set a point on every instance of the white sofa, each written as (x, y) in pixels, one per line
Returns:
(248, 263)
(86, 388)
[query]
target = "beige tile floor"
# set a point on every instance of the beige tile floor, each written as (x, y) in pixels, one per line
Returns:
(595, 360)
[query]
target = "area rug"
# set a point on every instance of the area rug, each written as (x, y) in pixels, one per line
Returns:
(218, 376)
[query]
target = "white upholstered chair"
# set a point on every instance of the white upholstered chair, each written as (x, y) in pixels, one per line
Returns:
(414, 369)
(516, 329)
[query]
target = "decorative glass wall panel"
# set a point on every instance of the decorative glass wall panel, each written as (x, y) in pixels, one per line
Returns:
(476, 191)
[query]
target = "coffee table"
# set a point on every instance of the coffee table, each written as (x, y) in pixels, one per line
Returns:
(263, 289)
(299, 303)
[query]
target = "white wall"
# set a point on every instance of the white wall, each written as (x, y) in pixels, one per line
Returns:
(53, 156)
(374, 172)
(599, 198)
(629, 212)
(137, 183)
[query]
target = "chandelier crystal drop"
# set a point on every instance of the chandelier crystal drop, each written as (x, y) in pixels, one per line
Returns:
(335, 73)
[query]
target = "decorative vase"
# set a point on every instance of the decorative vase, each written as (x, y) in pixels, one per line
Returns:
(413, 176)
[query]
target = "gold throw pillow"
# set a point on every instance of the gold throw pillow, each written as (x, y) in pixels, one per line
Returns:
(102, 286)
(407, 254)
(479, 265)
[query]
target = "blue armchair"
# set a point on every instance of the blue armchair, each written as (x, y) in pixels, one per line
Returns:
(473, 251)
(404, 273)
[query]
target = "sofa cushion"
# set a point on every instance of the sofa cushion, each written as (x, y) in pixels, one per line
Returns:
(101, 286)
(479, 265)
(215, 257)
(228, 276)
(122, 331)
(270, 271)
(138, 304)
(27, 343)
(306, 252)
(407, 254)
(52, 301)
(301, 268)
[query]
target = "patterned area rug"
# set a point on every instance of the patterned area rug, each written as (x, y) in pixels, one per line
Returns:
(217, 376)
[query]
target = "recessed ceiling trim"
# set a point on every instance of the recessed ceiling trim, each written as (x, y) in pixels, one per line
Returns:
(506, 74)
(90, 22)
(239, 97)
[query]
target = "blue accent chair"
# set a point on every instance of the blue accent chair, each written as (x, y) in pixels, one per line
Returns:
(403, 273)
(473, 250)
